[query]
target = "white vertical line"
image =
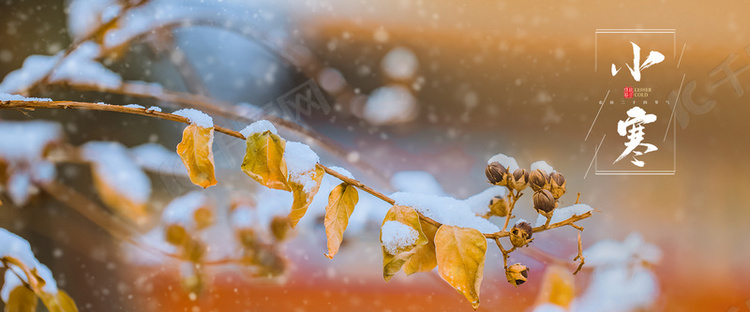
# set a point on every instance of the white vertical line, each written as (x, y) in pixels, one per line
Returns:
(682, 53)
(674, 108)
(597, 115)
(595, 153)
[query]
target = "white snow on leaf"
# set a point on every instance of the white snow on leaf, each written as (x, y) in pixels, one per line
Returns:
(542, 165)
(181, 210)
(396, 236)
(12, 245)
(561, 214)
(84, 16)
(243, 218)
(10, 283)
(43, 172)
(479, 203)
(416, 182)
(19, 185)
(79, 67)
(391, 104)
(26, 140)
(400, 63)
(619, 289)
(445, 210)
(157, 158)
(16, 97)
(342, 172)
(112, 163)
(632, 250)
(259, 126)
(548, 307)
(620, 281)
(506, 161)
(197, 117)
(300, 163)
(22, 145)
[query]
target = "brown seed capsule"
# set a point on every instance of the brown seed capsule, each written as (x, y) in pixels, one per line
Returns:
(557, 184)
(498, 206)
(539, 180)
(517, 274)
(496, 174)
(519, 179)
(520, 234)
(544, 202)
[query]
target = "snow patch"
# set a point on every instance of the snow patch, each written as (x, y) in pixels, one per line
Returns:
(506, 161)
(421, 182)
(542, 165)
(561, 214)
(300, 164)
(259, 126)
(342, 172)
(197, 117)
(445, 210)
(396, 236)
(16, 97)
(113, 164)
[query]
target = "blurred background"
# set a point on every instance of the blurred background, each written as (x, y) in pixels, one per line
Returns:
(397, 85)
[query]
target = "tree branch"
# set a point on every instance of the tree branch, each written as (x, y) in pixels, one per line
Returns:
(32, 105)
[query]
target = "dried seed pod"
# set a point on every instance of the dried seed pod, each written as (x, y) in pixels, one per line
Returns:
(517, 274)
(498, 206)
(519, 179)
(520, 234)
(557, 184)
(497, 174)
(544, 202)
(539, 180)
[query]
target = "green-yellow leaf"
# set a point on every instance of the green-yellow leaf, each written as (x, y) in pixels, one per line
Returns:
(423, 259)
(21, 299)
(303, 198)
(264, 160)
(460, 258)
(59, 302)
(393, 260)
(197, 154)
(341, 204)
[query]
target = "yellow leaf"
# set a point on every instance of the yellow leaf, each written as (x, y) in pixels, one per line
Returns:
(423, 259)
(264, 160)
(392, 262)
(59, 302)
(341, 204)
(303, 198)
(558, 287)
(197, 154)
(21, 299)
(133, 210)
(460, 257)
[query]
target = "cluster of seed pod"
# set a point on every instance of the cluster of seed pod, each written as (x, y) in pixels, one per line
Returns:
(548, 188)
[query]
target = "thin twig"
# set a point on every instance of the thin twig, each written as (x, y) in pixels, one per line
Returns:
(580, 255)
